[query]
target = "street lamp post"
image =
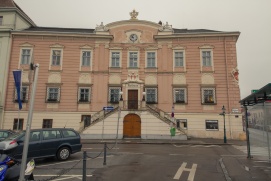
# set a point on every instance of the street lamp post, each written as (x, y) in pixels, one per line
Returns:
(223, 113)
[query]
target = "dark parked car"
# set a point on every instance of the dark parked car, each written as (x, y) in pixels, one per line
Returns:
(4, 133)
(49, 142)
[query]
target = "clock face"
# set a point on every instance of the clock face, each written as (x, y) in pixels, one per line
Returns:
(133, 37)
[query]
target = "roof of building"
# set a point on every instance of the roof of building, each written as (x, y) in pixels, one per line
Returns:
(59, 30)
(194, 31)
(263, 94)
(8, 4)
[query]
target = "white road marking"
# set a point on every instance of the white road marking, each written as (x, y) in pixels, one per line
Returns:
(182, 168)
(65, 178)
(69, 161)
(61, 175)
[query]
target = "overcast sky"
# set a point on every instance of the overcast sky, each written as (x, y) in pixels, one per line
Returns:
(250, 17)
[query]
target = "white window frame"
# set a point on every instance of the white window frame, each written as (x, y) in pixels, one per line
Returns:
(174, 58)
(137, 62)
(117, 98)
(82, 58)
(60, 61)
(176, 92)
(147, 59)
(48, 94)
(213, 99)
(24, 87)
(22, 61)
(147, 95)
(111, 59)
(214, 126)
(182, 123)
(79, 94)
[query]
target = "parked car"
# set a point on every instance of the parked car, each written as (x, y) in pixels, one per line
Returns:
(48, 142)
(4, 133)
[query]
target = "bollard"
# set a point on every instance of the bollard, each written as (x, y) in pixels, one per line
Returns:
(84, 166)
(104, 153)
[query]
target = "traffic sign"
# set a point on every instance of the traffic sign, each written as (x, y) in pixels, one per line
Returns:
(254, 91)
(108, 108)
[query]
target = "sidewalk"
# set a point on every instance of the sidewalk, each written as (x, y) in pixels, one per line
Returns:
(190, 141)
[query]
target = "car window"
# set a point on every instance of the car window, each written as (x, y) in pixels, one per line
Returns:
(51, 134)
(16, 136)
(35, 136)
(68, 133)
(3, 134)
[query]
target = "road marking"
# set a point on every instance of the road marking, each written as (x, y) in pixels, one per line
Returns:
(182, 168)
(180, 145)
(224, 170)
(61, 175)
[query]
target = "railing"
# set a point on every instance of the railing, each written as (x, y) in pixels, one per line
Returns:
(164, 116)
(133, 105)
(98, 116)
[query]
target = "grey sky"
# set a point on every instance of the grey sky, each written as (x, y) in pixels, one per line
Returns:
(251, 17)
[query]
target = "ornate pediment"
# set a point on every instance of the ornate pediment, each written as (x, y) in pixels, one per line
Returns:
(57, 46)
(86, 47)
(206, 46)
(26, 44)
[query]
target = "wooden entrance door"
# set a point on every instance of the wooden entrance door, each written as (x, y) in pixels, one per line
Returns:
(132, 99)
(132, 126)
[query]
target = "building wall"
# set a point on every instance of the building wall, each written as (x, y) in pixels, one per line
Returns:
(101, 75)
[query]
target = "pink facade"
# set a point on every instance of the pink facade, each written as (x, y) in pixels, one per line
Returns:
(133, 57)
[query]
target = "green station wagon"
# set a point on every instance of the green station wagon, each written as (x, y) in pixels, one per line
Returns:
(48, 142)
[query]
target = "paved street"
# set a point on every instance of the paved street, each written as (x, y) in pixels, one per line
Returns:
(194, 160)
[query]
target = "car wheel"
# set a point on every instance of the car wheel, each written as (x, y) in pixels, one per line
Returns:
(63, 153)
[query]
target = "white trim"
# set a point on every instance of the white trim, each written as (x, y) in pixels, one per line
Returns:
(146, 58)
(120, 57)
(128, 59)
(51, 56)
(212, 58)
(81, 58)
(30, 57)
(184, 62)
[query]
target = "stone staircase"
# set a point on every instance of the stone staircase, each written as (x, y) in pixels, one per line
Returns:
(155, 124)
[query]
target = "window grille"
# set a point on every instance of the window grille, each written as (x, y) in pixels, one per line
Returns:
(211, 124)
(47, 123)
(114, 94)
(53, 94)
(24, 94)
(151, 95)
(84, 94)
(208, 95)
(179, 95)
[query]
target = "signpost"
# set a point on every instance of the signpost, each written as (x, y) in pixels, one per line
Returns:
(107, 108)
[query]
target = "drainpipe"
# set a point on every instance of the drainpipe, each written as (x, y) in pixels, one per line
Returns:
(227, 80)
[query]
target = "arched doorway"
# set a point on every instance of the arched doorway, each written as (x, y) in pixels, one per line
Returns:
(132, 126)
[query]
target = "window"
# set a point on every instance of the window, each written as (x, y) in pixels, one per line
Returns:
(25, 56)
(179, 95)
(206, 58)
(1, 20)
(115, 59)
(179, 59)
(47, 123)
(53, 94)
(86, 56)
(133, 59)
(23, 95)
(35, 136)
(208, 95)
(84, 94)
(151, 95)
(151, 59)
(114, 95)
(181, 123)
(51, 134)
(86, 119)
(211, 124)
(68, 133)
(56, 57)
(18, 124)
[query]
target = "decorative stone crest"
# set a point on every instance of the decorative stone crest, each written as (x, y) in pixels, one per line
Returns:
(235, 74)
(133, 15)
(166, 27)
(101, 27)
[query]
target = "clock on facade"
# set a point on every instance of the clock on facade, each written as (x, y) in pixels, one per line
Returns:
(133, 37)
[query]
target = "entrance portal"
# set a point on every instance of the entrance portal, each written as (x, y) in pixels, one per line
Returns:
(132, 126)
(132, 99)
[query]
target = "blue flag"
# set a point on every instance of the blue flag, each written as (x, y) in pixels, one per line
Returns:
(17, 74)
